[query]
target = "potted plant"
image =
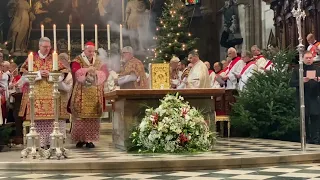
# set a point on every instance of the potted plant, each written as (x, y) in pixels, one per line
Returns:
(5, 133)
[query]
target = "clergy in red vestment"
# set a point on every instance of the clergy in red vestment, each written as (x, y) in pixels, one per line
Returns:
(314, 47)
(261, 61)
(43, 88)
(234, 68)
(86, 102)
(248, 71)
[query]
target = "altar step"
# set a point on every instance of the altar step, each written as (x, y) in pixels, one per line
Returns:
(106, 128)
(228, 154)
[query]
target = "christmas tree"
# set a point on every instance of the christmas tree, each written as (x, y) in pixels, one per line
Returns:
(267, 107)
(172, 36)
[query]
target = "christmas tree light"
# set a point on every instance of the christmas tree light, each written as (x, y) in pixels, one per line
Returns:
(173, 37)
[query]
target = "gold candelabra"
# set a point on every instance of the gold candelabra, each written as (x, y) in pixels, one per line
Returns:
(33, 141)
(57, 138)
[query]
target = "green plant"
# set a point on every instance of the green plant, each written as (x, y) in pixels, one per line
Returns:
(173, 36)
(267, 107)
(5, 133)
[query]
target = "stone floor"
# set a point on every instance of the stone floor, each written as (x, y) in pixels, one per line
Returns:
(282, 172)
(225, 148)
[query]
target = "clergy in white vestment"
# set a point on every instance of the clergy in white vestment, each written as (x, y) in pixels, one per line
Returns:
(269, 65)
(261, 61)
(234, 68)
(198, 76)
(314, 47)
(218, 72)
(248, 71)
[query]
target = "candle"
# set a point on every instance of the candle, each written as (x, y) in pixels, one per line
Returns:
(123, 12)
(30, 62)
(82, 37)
(55, 61)
(69, 41)
(42, 30)
(121, 43)
(30, 3)
(96, 37)
(108, 30)
(55, 37)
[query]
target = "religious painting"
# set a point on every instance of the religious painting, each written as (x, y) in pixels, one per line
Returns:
(160, 76)
(76, 12)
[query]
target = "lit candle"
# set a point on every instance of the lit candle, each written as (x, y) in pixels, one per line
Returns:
(55, 37)
(82, 37)
(69, 41)
(42, 30)
(108, 31)
(30, 62)
(121, 43)
(96, 37)
(55, 61)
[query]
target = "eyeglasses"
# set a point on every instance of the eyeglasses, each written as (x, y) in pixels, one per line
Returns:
(46, 47)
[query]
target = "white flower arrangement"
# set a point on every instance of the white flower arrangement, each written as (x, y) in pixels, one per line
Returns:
(174, 126)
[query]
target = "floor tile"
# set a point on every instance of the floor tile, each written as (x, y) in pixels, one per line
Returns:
(254, 177)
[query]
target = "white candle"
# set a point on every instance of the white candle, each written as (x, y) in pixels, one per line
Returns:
(121, 43)
(42, 30)
(82, 37)
(55, 37)
(96, 37)
(55, 61)
(123, 11)
(30, 62)
(108, 31)
(69, 41)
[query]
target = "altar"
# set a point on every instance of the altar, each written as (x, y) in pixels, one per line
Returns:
(130, 104)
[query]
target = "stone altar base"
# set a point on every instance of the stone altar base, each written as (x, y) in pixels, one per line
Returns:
(228, 153)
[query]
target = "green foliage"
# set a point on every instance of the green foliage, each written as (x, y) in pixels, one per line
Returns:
(267, 107)
(173, 37)
(5, 133)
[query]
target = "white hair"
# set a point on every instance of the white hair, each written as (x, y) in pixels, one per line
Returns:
(175, 59)
(44, 39)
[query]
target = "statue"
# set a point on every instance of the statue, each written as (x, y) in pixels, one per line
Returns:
(231, 32)
(21, 22)
(136, 23)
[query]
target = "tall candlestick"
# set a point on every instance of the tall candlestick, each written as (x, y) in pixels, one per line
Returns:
(96, 37)
(55, 37)
(42, 30)
(121, 43)
(82, 37)
(69, 41)
(55, 61)
(30, 62)
(123, 11)
(108, 31)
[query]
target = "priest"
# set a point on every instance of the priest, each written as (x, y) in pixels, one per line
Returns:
(218, 72)
(44, 105)
(86, 102)
(261, 61)
(314, 46)
(132, 74)
(234, 68)
(248, 71)
(198, 76)
(311, 79)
